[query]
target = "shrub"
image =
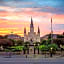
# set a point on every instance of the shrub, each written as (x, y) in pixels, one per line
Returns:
(14, 48)
(43, 47)
(17, 48)
(53, 46)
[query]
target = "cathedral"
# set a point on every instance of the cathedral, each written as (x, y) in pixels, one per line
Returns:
(32, 36)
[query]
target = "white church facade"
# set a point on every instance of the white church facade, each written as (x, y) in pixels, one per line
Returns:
(32, 36)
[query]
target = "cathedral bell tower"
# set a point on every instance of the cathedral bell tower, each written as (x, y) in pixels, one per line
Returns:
(38, 35)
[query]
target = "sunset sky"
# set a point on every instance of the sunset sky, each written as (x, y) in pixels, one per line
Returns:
(16, 14)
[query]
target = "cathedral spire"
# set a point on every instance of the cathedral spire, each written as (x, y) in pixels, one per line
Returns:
(24, 30)
(38, 30)
(31, 25)
(51, 26)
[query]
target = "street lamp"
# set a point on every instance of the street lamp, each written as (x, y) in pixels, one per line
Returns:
(38, 44)
(51, 51)
(61, 48)
(34, 48)
(38, 48)
(26, 54)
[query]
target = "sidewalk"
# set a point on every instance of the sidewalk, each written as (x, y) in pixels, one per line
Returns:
(36, 56)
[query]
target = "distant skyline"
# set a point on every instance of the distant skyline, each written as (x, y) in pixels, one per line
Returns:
(16, 14)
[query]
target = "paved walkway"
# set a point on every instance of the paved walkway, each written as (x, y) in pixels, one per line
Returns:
(21, 59)
(31, 61)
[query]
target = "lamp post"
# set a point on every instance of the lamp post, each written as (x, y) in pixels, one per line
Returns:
(38, 48)
(34, 48)
(51, 49)
(26, 50)
(61, 48)
(26, 54)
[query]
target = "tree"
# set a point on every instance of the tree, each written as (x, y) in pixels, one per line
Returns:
(36, 43)
(6, 36)
(43, 42)
(53, 46)
(1, 37)
(59, 41)
(43, 47)
(48, 41)
(60, 36)
(4, 43)
(49, 36)
(15, 42)
(19, 42)
(26, 45)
